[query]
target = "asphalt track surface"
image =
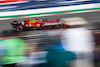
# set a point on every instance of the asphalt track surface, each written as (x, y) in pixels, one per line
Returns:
(50, 36)
(91, 17)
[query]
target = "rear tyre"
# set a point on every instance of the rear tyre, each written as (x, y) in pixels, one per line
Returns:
(19, 28)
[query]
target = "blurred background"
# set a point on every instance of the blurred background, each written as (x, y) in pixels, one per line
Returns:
(77, 46)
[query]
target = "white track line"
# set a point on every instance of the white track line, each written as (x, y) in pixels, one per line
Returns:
(45, 10)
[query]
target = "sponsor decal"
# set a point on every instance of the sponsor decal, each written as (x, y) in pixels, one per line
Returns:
(31, 20)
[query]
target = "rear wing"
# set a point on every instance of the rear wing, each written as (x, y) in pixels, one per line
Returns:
(14, 23)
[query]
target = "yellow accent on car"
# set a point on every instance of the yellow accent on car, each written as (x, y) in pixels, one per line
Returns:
(38, 25)
(33, 25)
(46, 23)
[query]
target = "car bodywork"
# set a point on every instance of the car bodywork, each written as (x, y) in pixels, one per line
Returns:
(38, 24)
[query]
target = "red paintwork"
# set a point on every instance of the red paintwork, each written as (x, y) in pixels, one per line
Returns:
(39, 22)
(36, 23)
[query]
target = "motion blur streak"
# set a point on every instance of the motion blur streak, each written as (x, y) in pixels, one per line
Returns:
(78, 40)
(68, 47)
(36, 4)
(52, 48)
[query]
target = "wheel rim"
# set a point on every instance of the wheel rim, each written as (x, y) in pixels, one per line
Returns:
(63, 26)
(41, 26)
(58, 26)
(19, 28)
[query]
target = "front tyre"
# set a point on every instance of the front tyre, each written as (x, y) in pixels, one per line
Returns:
(19, 28)
(42, 26)
(65, 26)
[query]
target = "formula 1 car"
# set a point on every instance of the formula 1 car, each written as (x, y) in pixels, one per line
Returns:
(38, 24)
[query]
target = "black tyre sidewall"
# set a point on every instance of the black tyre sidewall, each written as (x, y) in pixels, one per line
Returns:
(20, 28)
(41, 26)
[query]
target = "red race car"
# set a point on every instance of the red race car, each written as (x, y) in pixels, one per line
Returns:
(38, 24)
